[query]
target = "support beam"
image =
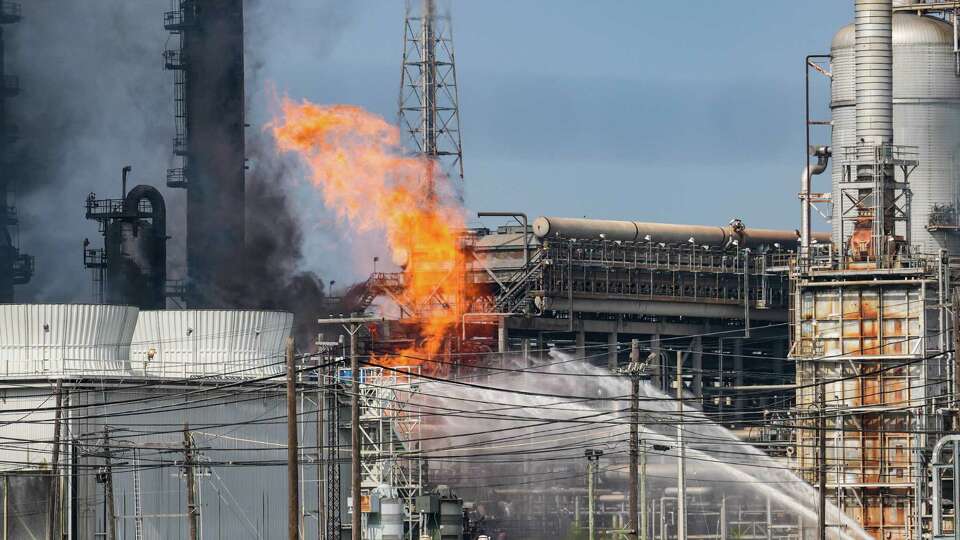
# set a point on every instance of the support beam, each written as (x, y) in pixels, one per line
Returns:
(696, 348)
(739, 400)
(612, 347)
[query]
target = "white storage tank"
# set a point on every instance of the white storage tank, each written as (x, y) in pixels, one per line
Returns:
(220, 343)
(65, 339)
(926, 114)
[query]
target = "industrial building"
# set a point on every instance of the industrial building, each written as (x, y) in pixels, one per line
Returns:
(559, 377)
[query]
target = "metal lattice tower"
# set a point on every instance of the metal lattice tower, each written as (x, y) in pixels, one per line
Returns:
(429, 114)
(15, 268)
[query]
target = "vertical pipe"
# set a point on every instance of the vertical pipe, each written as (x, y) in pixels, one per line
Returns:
(746, 292)
(321, 457)
(355, 434)
(53, 519)
(956, 489)
(805, 186)
(293, 472)
(644, 526)
(576, 512)
(769, 520)
(590, 502)
(822, 456)
(681, 457)
(723, 517)
(874, 71)
(634, 435)
(502, 337)
(612, 346)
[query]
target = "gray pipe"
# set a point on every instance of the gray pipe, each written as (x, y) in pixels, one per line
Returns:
(668, 233)
(874, 71)
(823, 158)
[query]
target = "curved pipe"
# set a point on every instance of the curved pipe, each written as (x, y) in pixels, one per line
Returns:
(158, 214)
(823, 158)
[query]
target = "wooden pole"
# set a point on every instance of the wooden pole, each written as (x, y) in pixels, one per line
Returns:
(54, 515)
(191, 488)
(108, 487)
(293, 472)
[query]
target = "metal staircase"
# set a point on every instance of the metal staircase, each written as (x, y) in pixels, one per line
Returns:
(515, 298)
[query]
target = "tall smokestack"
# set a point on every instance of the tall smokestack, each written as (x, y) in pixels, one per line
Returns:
(210, 139)
(874, 71)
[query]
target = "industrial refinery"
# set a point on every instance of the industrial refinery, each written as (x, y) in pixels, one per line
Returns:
(264, 313)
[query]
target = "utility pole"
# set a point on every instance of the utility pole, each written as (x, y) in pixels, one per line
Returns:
(643, 494)
(53, 518)
(293, 473)
(191, 488)
(353, 325)
(321, 399)
(593, 459)
(634, 435)
(681, 457)
(822, 456)
(108, 486)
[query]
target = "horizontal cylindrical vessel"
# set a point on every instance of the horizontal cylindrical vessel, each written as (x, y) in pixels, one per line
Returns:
(219, 343)
(56, 339)
(667, 233)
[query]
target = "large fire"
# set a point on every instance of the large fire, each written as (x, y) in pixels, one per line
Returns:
(357, 162)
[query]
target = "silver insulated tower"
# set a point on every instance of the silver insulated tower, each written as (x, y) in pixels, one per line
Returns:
(925, 108)
(874, 71)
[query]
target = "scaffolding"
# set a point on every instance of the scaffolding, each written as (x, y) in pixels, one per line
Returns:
(390, 435)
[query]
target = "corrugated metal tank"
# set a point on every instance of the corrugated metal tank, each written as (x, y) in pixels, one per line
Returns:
(228, 343)
(926, 114)
(54, 339)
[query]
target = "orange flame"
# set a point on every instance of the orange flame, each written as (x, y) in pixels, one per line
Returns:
(356, 160)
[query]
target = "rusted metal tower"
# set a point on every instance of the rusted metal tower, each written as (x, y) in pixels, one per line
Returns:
(209, 141)
(429, 113)
(15, 268)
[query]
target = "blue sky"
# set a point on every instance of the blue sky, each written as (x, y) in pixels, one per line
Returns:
(606, 109)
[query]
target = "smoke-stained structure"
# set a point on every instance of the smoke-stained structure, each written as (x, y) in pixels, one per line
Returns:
(15, 268)
(132, 266)
(209, 141)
